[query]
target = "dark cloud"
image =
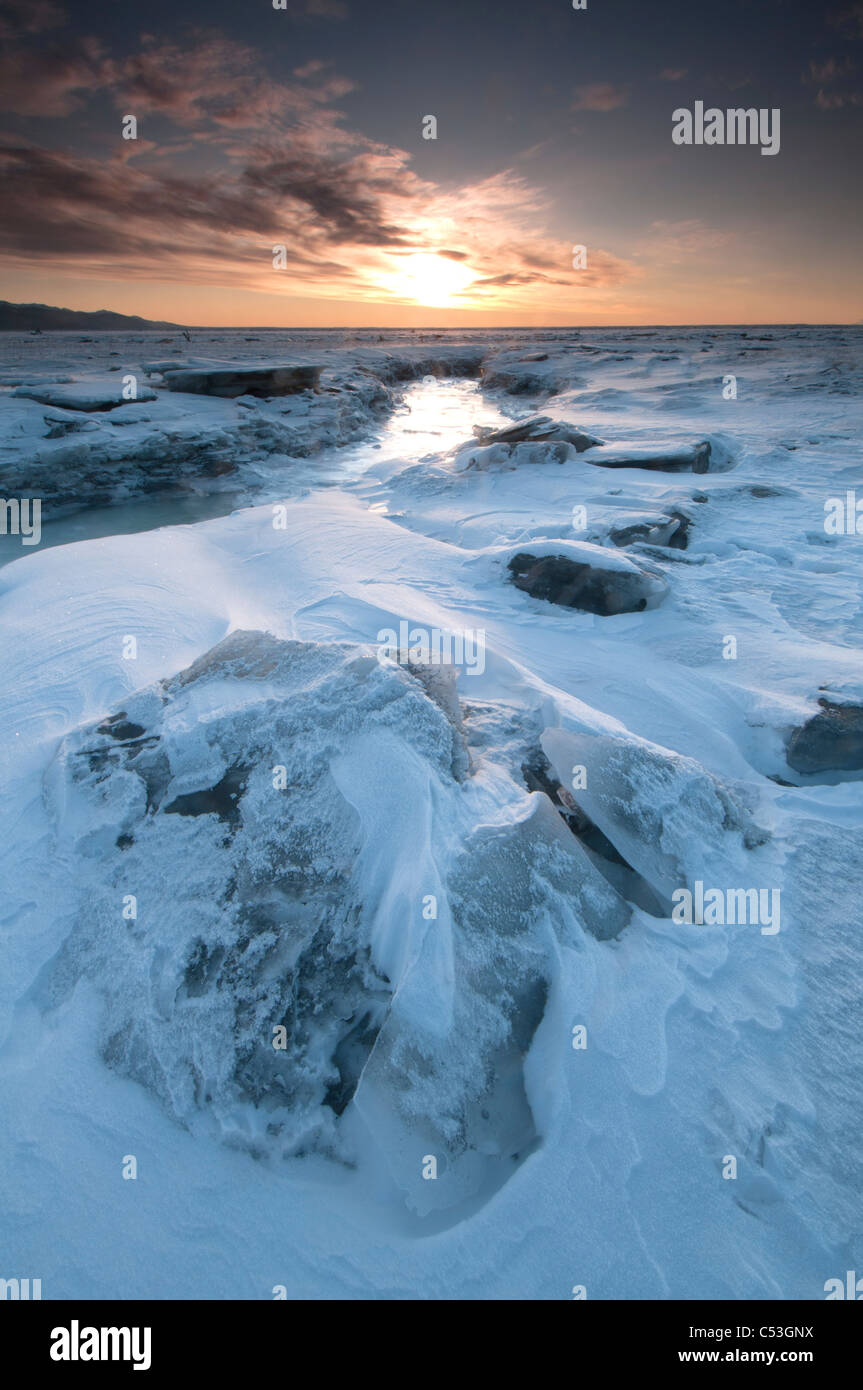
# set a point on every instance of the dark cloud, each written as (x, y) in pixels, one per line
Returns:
(60, 203)
(49, 81)
(19, 17)
(209, 79)
(333, 191)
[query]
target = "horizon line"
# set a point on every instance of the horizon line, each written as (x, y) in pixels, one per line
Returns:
(434, 328)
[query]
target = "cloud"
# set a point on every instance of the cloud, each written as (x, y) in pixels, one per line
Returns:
(19, 17)
(52, 81)
(215, 79)
(241, 164)
(346, 222)
(599, 96)
(833, 101)
(209, 79)
(673, 74)
(309, 69)
(829, 70)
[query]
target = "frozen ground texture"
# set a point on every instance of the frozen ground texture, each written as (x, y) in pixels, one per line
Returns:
(285, 802)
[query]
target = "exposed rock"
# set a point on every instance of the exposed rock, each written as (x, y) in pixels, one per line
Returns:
(243, 381)
(695, 458)
(831, 741)
(590, 587)
(670, 530)
(538, 427)
(516, 382)
(448, 361)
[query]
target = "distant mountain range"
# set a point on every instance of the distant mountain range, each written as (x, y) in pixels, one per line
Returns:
(26, 318)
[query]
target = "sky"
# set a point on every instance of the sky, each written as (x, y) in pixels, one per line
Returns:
(280, 175)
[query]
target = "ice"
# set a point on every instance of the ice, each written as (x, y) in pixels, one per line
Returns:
(282, 898)
(95, 394)
(465, 866)
(667, 816)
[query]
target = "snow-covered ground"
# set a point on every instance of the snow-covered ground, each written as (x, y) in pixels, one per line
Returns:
(241, 794)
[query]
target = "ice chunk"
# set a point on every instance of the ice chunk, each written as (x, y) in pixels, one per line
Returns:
(93, 395)
(325, 923)
(666, 815)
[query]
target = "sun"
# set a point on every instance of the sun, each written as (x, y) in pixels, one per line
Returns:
(429, 279)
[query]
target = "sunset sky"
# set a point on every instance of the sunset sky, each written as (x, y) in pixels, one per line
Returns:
(303, 127)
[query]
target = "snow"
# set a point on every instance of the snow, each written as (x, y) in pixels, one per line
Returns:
(257, 647)
(94, 394)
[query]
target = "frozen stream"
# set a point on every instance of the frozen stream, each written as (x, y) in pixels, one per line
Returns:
(434, 416)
